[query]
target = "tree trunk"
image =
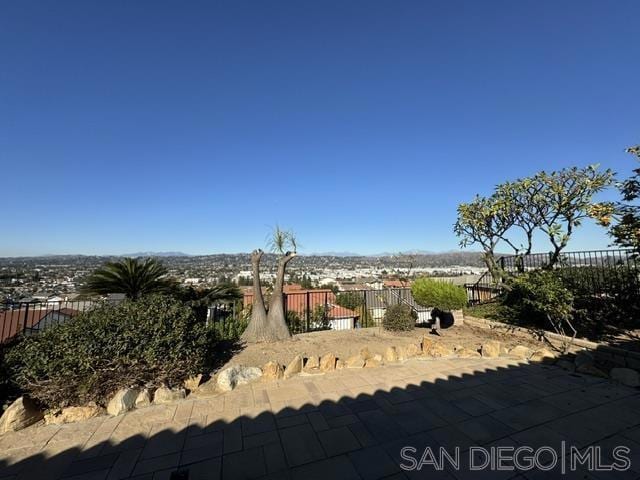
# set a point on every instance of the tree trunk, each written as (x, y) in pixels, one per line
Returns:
(257, 330)
(492, 266)
(276, 318)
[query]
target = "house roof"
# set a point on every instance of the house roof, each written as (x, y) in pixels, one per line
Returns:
(13, 321)
(396, 284)
(299, 300)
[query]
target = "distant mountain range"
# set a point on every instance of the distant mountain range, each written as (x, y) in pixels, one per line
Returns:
(382, 254)
(318, 254)
(156, 254)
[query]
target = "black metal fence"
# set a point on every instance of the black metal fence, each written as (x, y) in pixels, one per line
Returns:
(31, 317)
(306, 311)
(591, 272)
(313, 310)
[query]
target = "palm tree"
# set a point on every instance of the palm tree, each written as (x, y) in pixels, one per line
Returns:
(200, 300)
(132, 276)
(222, 293)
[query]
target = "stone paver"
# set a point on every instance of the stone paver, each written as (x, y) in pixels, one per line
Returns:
(346, 424)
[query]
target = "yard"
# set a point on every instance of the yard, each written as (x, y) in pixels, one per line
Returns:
(344, 344)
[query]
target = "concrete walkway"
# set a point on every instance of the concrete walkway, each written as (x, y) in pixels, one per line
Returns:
(346, 424)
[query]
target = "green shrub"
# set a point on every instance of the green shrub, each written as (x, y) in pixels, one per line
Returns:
(8, 389)
(399, 318)
(439, 295)
(147, 342)
(493, 310)
(350, 300)
(230, 328)
(536, 296)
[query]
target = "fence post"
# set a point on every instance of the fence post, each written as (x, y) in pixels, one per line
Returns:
(325, 309)
(284, 305)
(308, 309)
(364, 308)
(26, 316)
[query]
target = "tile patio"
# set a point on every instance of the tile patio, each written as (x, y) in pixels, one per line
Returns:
(346, 424)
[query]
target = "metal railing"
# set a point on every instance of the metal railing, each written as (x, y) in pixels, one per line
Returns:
(306, 311)
(312, 310)
(31, 317)
(591, 272)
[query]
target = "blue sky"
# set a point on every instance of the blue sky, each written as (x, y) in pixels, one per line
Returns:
(194, 126)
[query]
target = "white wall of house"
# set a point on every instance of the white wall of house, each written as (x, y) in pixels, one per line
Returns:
(342, 323)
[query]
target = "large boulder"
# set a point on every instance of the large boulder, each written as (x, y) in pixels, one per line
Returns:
(20, 414)
(402, 354)
(520, 352)
(365, 354)
(425, 343)
(193, 382)
(312, 363)
(566, 365)
(438, 350)
(356, 361)
(328, 362)
(626, 376)
(542, 355)
(231, 377)
(74, 414)
(491, 349)
(165, 394)
(123, 401)
(584, 357)
(143, 399)
(210, 387)
(372, 362)
(272, 371)
(590, 369)
(413, 350)
(391, 354)
(294, 367)
(465, 352)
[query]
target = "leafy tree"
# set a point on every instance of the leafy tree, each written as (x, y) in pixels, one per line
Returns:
(484, 221)
(201, 299)
(554, 203)
(306, 282)
(350, 300)
(623, 218)
(565, 200)
(132, 276)
(221, 293)
(520, 198)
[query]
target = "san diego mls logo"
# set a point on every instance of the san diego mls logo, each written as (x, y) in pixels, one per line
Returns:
(567, 458)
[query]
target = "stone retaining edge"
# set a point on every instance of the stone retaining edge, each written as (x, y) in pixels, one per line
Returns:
(619, 356)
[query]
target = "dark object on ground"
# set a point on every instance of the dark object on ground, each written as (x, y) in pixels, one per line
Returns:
(440, 319)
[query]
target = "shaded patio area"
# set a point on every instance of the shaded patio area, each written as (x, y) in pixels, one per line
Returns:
(346, 424)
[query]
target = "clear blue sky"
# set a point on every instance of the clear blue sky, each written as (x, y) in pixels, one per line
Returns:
(193, 126)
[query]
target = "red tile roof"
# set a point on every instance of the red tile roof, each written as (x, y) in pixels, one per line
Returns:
(297, 302)
(13, 321)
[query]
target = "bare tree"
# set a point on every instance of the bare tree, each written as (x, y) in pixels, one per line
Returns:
(271, 326)
(257, 328)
